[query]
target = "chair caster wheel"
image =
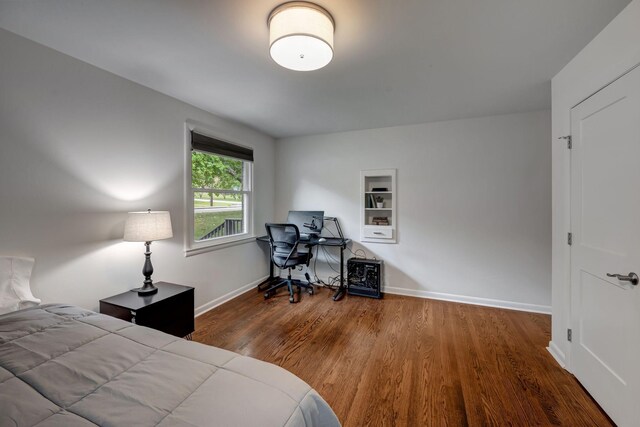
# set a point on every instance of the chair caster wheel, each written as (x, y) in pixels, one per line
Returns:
(291, 300)
(310, 291)
(267, 295)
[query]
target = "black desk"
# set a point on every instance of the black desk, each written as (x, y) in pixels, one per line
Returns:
(329, 241)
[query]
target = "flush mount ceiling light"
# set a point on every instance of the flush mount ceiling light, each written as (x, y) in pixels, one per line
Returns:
(301, 36)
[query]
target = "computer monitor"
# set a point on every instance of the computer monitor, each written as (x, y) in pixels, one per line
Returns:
(308, 222)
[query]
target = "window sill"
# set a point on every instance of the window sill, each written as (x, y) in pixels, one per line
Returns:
(219, 245)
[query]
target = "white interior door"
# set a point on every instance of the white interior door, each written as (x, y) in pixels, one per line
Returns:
(605, 222)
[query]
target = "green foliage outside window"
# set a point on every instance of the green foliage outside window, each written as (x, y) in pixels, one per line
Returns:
(218, 196)
(216, 172)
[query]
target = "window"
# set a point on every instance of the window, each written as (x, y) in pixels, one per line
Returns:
(220, 191)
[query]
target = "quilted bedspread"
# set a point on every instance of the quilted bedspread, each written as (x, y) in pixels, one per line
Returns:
(61, 365)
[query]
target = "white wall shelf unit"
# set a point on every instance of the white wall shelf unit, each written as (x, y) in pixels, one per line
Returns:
(378, 199)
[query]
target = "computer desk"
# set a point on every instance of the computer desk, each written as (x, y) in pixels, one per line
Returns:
(314, 241)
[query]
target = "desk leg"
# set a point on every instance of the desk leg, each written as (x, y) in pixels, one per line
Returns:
(267, 282)
(341, 288)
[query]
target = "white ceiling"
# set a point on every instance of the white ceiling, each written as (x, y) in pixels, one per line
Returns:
(396, 62)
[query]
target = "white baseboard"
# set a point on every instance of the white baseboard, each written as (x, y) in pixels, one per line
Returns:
(227, 297)
(509, 305)
(557, 354)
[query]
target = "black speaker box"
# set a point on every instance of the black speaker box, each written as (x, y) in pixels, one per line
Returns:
(364, 277)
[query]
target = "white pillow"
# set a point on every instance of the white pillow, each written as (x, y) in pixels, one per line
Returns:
(15, 292)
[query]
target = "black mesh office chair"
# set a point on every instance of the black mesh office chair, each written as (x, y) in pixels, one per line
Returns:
(284, 240)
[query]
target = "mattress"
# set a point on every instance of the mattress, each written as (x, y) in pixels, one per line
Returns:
(61, 365)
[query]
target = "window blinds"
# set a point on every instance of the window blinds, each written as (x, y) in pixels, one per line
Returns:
(222, 148)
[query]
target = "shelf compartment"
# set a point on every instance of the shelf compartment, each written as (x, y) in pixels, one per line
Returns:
(370, 202)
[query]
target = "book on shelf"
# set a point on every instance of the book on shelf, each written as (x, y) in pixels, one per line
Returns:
(380, 220)
(371, 202)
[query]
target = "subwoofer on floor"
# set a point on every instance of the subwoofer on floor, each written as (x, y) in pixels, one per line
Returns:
(364, 277)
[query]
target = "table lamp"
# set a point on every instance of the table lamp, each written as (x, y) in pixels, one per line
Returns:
(147, 227)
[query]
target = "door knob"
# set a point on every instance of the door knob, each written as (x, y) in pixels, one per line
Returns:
(632, 277)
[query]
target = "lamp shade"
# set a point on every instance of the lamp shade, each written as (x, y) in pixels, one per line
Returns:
(301, 36)
(148, 226)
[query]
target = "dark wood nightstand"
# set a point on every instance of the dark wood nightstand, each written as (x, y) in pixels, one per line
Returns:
(169, 310)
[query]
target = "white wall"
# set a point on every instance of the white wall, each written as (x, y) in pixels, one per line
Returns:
(474, 203)
(612, 53)
(79, 147)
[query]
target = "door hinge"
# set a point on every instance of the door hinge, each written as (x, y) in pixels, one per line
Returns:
(568, 138)
(569, 239)
(569, 335)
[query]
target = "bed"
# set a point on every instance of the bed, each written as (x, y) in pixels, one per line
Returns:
(61, 365)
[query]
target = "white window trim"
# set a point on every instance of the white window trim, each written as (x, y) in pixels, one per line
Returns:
(191, 247)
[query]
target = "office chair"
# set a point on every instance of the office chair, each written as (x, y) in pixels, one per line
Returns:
(284, 240)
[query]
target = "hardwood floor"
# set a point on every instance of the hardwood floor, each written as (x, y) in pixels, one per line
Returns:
(405, 361)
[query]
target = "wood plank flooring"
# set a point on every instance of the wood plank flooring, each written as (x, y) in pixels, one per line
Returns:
(405, 361)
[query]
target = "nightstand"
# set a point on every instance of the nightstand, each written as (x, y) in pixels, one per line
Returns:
(169, 310)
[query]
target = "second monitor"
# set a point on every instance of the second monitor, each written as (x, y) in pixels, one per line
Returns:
(308, 222)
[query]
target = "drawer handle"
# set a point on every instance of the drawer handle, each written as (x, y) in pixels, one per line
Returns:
(378, 232)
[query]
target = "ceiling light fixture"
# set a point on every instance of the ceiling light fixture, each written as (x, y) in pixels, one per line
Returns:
(301, 36)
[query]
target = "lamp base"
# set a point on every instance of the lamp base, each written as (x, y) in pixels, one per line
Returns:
(145, 290)
(147, 270)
